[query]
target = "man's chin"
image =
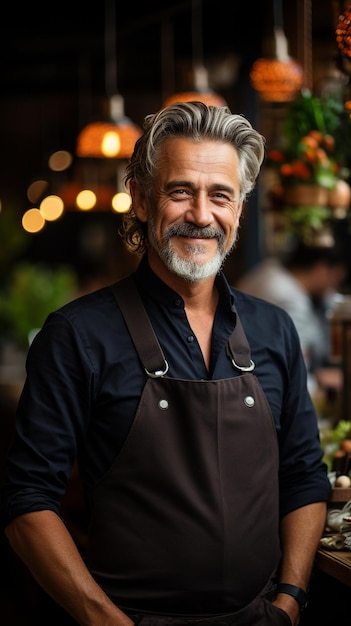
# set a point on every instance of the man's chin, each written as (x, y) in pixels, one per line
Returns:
(192, 270)
(193, 248)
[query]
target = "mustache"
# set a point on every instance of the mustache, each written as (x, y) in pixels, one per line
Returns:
(196, 232)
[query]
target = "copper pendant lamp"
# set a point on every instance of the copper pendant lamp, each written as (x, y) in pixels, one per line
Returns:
(279, 78)
(343, 33)
(115, 136)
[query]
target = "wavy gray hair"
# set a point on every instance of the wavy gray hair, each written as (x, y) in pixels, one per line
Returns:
(195, 121)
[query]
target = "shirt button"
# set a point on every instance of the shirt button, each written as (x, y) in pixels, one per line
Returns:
(163, 404)
(178, 302)
(249, 401)
(190, 339)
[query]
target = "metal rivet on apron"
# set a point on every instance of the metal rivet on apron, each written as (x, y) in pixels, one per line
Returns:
(249, 401)
(163, 404)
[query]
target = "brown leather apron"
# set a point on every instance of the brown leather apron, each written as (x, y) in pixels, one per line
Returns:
(186, 519)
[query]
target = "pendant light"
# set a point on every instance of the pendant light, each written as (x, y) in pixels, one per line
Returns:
(343, 33)
(201, 92)
(277, 79)
(114, 137)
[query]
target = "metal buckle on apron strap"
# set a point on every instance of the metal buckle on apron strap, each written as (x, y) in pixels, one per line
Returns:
(158, 373)
(242, 368)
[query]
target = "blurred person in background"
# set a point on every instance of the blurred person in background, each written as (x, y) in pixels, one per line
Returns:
(304, 283)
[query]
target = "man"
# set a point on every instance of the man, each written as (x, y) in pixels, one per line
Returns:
(185, 404)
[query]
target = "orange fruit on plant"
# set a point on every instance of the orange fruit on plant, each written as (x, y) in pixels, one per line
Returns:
(310, 142)
(316, 135)
(345, 445)
(329, 143)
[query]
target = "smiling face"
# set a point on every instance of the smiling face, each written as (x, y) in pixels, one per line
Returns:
(193, 221)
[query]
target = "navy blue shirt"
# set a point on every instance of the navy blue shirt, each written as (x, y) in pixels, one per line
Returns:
(84, 381)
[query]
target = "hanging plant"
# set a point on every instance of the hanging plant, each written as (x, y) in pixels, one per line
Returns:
(312, 164)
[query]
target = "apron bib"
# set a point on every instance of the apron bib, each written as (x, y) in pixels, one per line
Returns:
(186, 519)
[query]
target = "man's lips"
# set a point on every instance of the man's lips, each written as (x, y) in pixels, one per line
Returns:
(189, 238)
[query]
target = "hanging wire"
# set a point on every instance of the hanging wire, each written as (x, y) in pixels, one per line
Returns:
(278, 14)
(307, 43)
(200, 76)
(196, 31)
(167, 58)
(281, 44)
(110, 48)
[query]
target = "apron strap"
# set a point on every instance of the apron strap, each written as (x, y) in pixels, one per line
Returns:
(238, 349)
(139, 326)
(146, 342)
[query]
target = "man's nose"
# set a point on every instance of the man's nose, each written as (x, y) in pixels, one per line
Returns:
(200, 211)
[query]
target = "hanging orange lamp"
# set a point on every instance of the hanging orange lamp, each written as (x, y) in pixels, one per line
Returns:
(277, 79)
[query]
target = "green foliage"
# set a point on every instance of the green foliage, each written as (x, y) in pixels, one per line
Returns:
(327, 114)
(341, 431)
(331, 439)
(33, 291)
(314, 152)
(304, 222)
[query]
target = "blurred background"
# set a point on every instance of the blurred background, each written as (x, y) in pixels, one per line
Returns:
(77, 81)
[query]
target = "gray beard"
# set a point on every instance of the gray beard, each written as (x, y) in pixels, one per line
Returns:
(189, 269)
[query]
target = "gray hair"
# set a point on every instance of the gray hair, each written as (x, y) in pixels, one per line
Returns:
(195, 121)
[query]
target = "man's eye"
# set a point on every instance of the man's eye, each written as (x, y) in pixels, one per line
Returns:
(221, 196)
(180, 192)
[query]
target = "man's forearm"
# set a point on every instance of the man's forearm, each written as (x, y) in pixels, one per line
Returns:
(42, 541)
(300, 533)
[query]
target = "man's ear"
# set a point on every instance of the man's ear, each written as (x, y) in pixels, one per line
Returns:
(140, 204)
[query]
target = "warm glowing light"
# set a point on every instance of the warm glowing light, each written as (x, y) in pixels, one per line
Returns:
(103, 139)
(36, 190)
(86, 200)
(33, 221)
(111, 144)
(121, 202)
(276, 80)
(60, 161)
(51, 208)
